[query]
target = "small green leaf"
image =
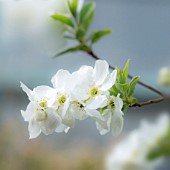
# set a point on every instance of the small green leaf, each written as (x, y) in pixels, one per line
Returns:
(125, 107)
(119, 78)
(86, 11)
(122, 87)
(80, 33)
(64, 19)
(131, 101)
(132, 85)
(69, 37)
(88, 21)
(126, 71)
(97, 35)
(73, 7)
(113, 92)
(73, 49)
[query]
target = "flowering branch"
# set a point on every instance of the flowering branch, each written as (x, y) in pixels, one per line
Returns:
(79, 24)
(154, 101)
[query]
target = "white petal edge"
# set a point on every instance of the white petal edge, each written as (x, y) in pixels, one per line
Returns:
(110, 81)
(34, 129)
(27, 91)
(101, 71)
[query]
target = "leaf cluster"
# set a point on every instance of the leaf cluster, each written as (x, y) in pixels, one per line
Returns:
(124, 88)
(78, 24)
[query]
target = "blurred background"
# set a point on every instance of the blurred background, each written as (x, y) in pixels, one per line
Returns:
(28, 40)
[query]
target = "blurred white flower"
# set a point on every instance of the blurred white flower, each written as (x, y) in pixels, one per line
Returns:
(164, 76)
(29, 19)
(131, 153)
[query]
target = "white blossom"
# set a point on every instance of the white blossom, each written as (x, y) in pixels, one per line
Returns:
(93, 83)
(113, 116)
(39, 114)
(29, 20)
(164, 76)
(76, 95)
(131, 153)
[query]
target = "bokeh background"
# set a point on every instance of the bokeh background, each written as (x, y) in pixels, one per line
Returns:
(141, 32)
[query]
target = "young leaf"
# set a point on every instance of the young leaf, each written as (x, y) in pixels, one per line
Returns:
(122, 87)
(69, 37)
(88, 21)
(73, 7)
(119, 78)
(97, 35)
(73, 49)
(64, 19)
(126, 71)
(80, 33)
(132, 85)
(86, 11)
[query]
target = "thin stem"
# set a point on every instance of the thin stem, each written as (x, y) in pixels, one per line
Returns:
(162, 98)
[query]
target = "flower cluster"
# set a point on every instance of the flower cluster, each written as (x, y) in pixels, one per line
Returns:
(78, 95)
(132, 152)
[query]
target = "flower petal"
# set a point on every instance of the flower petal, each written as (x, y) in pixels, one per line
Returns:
(107, 117)
(49, 125)
(62, 128)
(101, 71)
(119, 104)
(96, 116)
(42, 92)
(28, 114)
(34, 129)
(110, 81)
(116, 123)
(77, 112)
(27, 91)
(60, 79)
(99, 102)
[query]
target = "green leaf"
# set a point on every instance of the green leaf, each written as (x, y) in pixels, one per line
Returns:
(80, 33)
(73, 7)
(122, 87)
(86, 12)
(132, 85)
(64, 19)
(88, 21)
(69, 37)
(126, 71)
(73, 49)
(119, 78)
(97, 35)
(131, 101)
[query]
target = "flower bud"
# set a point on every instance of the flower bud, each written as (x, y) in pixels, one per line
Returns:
(164, 76)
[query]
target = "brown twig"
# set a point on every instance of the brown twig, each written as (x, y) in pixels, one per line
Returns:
(162, 98)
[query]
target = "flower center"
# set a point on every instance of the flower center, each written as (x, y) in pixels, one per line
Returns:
(43, 104)
(112, 104)
(62, 100)
(94, 92)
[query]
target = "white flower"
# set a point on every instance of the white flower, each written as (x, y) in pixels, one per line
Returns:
(63, 84)
(164, 76)
(131, 153)
(93, 83)
(113, 116)
(39, 114)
